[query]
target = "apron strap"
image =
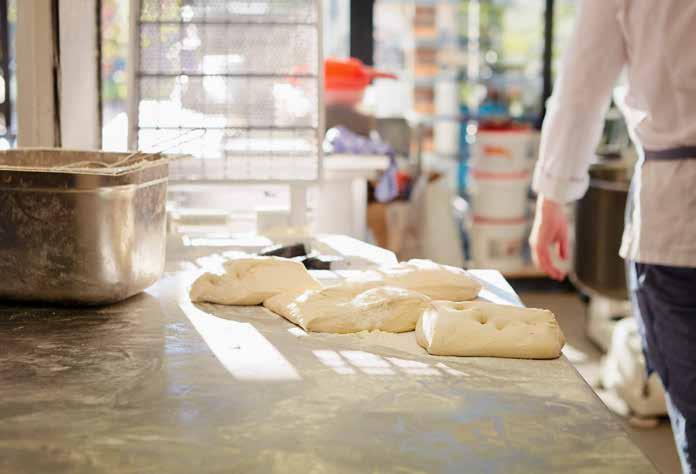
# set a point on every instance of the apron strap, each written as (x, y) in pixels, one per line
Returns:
(677, 153)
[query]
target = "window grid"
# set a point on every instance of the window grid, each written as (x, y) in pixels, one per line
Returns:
(234, 84)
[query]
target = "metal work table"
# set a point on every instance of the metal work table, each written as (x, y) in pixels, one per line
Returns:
(158, 385)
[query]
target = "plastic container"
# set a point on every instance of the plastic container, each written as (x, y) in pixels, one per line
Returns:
(509, 150)
(499, 244)
(345, 80)
(499, 196)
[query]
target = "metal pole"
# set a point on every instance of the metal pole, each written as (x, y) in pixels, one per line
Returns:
(133, 61)
(55, 17)
(473, 53)
(547, 59)
(362, 43)
(100, 103)
(5, 52)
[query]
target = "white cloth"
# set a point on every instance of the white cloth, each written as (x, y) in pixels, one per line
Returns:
(654, 42)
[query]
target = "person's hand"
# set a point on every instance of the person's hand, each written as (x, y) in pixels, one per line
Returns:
(549, 233)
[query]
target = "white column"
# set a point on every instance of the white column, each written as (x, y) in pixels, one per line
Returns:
(58, 68)
(37, 117)
(80, 111)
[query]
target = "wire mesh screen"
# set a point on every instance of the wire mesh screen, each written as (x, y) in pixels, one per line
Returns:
(233, 83)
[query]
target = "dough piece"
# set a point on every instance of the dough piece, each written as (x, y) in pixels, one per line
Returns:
(439, 282)
(340, 310)
(250, 281)
(489, 330)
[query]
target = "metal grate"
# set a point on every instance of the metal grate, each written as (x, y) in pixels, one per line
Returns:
(245, 72)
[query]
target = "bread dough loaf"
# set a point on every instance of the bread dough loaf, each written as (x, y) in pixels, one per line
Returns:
(439, 282)
(250, 281)
(340, 310)
(489, 330)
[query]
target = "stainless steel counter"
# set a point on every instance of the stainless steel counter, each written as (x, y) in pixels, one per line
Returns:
(157, 385)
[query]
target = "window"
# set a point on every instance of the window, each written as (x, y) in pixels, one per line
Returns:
(114, 88)
(234, 84)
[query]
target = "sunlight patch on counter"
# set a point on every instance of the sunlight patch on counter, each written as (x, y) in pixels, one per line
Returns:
(240, 347)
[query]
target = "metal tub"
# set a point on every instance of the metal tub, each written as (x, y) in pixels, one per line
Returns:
(93, 236)
(599, 222)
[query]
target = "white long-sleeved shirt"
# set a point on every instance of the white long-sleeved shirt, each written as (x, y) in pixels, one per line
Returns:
(655, 42)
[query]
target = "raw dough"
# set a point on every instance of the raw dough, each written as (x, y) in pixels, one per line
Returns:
(250, 281)
(340, 310)
(439, 282)
(489, 330)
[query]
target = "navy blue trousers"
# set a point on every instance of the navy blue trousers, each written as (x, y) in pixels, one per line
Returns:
(664, 303)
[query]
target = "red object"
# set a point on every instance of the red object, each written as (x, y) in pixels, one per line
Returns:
(503, 126)
(345, 80)
(403, 181)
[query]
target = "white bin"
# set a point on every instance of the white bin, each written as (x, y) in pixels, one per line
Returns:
(499, 196)
(509, 151)
(499, 244)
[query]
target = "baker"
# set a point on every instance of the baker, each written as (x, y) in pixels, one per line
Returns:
(655, 44)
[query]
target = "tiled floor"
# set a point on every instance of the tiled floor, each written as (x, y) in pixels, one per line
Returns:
(657, 443)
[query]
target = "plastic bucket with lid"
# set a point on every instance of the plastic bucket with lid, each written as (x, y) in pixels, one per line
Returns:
(504, 151)
(499, 243)
(499, 195)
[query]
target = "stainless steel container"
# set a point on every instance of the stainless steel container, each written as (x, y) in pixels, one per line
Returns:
(93, 236)
(598, 269)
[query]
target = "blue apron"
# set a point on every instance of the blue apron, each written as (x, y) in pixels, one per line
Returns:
(664, 301)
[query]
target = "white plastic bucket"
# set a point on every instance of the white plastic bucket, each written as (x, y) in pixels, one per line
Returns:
(499, 196)
(499, 244)
(510, 151)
